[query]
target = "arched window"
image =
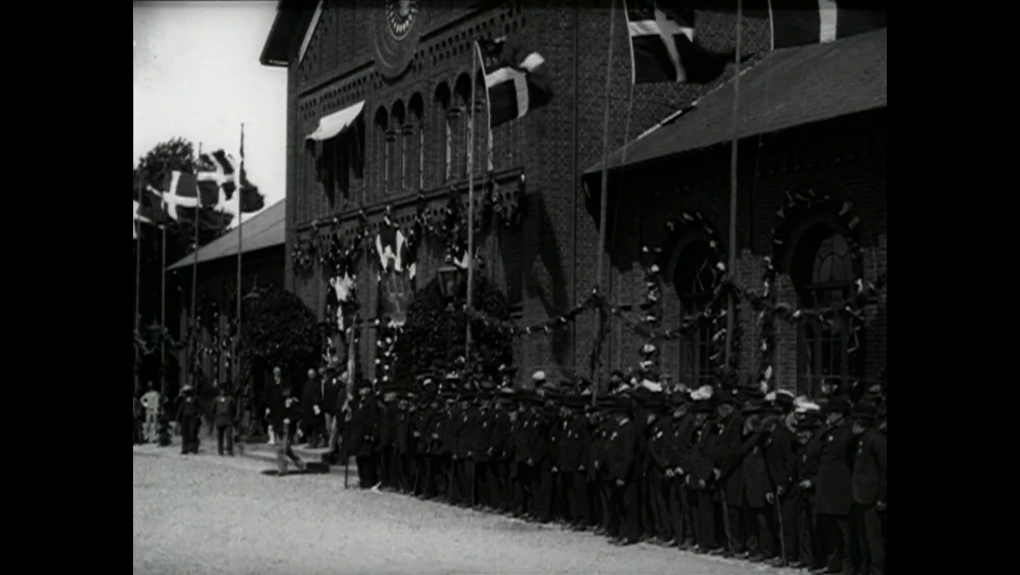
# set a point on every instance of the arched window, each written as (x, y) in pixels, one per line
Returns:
(395, 146)
(443, 129)
(415, 146)
(459, 125)
(693, 278)
(382, 152)
(822, 270)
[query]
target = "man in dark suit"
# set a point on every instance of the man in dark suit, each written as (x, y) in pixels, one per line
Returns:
(286, 418)
(621, 446)
(189, 415)
(757, 505)
(869, 488)
(364, 435)
(331, 390)
(272, 397)
(833, 490)
(700, 480)
(727, 456)
(311, 410)
(225, 417)
(781, 454)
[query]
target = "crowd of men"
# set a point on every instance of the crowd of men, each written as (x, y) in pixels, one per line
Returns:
(737, 472)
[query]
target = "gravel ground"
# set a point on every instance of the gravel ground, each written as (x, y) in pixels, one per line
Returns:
(206, 515)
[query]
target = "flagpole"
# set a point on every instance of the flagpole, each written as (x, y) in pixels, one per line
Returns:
(471, 204)
(138, 290)
(240, 212)
(733, 190)
(193, 335)
(599, 316)
(162, 310)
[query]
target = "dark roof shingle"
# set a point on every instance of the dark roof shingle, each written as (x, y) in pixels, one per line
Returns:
(787, 88)
(265, 230)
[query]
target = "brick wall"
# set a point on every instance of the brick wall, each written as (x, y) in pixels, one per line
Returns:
(550, 264)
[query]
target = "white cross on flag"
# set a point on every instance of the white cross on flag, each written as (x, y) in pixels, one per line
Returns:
(515, 80)
(663, 47)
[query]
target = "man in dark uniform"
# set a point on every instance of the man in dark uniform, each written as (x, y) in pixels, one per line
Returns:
(421, 421)
(272, 397)
(364, 434)
(660, 460)
(756, 504)
(385, 448)
(810, 439)
(501, 452)
(483, 424)
(225, 416)
(189, 415)
(727, 456)
(681, 439)
(523, 471)
(700, 479)
(621, 446)
(574, 445)
(405, 442)
(869, 486)
(833, 492)
(781, 454)
(287, 415)
(312, 421)
(331, 392)
(457, 441)
(435, 484)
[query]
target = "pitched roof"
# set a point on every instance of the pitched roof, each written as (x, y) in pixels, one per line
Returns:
(265, 230)
(292, 19)
(787, 88)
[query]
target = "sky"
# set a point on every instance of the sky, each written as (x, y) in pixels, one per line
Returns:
(197, 75)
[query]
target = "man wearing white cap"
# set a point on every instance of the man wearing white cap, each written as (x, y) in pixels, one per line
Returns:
(539, 380)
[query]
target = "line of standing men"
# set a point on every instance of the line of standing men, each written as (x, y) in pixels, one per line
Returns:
(769, 478)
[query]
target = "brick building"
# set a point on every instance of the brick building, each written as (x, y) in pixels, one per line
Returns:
(409, 66)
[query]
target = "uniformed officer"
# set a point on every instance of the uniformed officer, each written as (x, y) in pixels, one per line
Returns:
(810, 435)
(189, 416)
(660, 460)
(756, 505)
(700, 477)
(364, 434)
(572, 459)
(727, 457)
(385, 448)
(681, 439)
(781, 455)
(287, 418)
(869, 488)
(501, 453)
(833, 492)
(622, 472)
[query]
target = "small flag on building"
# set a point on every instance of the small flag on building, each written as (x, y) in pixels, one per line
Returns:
(800, 22)
(515, 80)
(663, 48)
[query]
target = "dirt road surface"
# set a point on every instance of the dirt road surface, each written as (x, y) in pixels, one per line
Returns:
(202, 514)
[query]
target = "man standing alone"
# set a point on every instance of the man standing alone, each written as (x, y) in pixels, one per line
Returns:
(273, 399)
(150, 402)
(225, 416)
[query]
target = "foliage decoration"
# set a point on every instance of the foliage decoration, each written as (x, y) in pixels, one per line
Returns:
(278, 330)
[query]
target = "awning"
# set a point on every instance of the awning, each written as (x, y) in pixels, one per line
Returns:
(787, 88)
(336, 123)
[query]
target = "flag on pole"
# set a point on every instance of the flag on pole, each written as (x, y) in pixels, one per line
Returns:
(800, 22)
(515, 80)
(663, 48)
(216, 176)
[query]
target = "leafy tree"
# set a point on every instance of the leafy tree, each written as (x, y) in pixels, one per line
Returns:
(434, 334)
(278, 330)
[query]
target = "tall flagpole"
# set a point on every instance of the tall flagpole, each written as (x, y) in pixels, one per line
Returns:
(471, 203)
(733, 190)
(240, 212)
(138, 290)
(192, 330)
(599, 316)
(162, 307)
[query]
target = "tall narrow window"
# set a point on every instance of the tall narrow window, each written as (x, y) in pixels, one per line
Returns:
(822, 272)
(692, 279)
(414, 145)
(382, 153)
(442, 130)
(395, 137)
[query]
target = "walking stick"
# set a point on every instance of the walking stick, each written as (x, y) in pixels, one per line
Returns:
(682, 492)
(782, 537)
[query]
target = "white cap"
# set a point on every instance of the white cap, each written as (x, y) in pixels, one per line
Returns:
(538, 376)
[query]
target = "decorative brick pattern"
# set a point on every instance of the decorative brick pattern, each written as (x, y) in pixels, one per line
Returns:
(549, 265)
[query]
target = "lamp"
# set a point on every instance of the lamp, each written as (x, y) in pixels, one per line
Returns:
(451, 280)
